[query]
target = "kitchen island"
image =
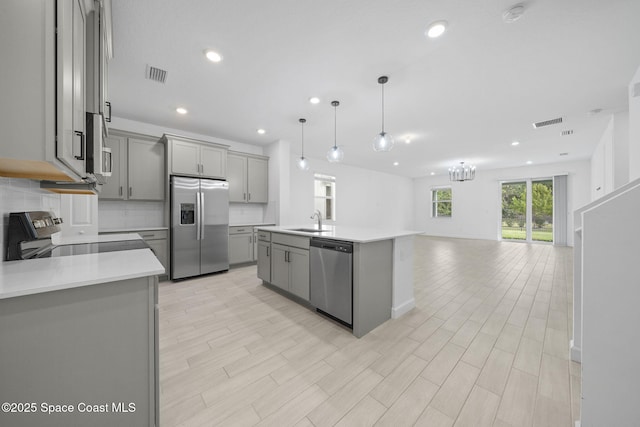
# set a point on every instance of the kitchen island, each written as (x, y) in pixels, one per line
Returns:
(79, 338)
(382, 268)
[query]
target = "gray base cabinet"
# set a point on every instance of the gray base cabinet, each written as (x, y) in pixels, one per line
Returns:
(290, 264)
(264, 261)
(92, 347)
(240, 248)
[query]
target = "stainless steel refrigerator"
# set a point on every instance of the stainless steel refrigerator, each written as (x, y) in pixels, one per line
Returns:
(199, 226)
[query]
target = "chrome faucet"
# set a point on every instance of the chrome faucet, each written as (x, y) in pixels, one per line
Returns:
(319, 215)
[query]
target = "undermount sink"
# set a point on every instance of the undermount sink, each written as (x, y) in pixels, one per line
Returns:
(309, 230)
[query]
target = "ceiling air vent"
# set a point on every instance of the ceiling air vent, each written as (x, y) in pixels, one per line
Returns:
(156, 74)
(567, 132)
(547, 123)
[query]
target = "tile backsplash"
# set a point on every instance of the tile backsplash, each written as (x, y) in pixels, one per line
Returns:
(116, 214)
(244, 213)
(19, 195)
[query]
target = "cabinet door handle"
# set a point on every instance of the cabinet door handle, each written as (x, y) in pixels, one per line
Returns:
(82, 145)
(244, 196)
(108, 118)
(121, 190)
(130, 191)
(249, 196)
(268, 251)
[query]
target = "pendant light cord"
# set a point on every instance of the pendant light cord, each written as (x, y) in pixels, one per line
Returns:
(302, 139)
(382, 109)
(335, 125)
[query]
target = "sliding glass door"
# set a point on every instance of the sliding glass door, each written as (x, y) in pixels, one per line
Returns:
(514, 210)
(542, 210)
(527, 210)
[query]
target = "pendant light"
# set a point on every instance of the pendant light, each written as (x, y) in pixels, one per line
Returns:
(335, 154)
(462, 172)
(383, 141)
(302, 163)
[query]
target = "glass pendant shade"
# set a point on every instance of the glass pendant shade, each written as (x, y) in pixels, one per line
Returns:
(303, 164)
(383, 142)
(335, 154)
(462, 172)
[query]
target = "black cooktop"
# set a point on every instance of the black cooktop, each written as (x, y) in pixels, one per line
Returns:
(91, 248)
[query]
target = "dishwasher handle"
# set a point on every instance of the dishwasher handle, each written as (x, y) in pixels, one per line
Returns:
(332, 245)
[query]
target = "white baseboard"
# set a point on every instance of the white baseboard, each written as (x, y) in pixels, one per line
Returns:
(403, 308)
(576, 352)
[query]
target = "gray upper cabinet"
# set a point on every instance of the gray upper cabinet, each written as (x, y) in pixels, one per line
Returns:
(146, 169)
(196, 158)
(44, 89)
(99, 52)
(138, 168)
(248, 178)
(115, 186)
(71, 149)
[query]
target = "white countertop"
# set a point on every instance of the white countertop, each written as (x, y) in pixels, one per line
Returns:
(348, 234)
(32, 276)
(130, 229)
(252, 224)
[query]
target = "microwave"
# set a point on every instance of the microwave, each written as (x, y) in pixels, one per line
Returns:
(99, 159)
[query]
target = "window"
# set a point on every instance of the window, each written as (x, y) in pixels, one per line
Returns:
(325, 196)
(527, 210)
(441, 202)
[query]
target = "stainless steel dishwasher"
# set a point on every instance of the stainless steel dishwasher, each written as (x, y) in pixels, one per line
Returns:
(331, 278)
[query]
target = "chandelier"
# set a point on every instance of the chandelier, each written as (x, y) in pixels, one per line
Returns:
(462, 172)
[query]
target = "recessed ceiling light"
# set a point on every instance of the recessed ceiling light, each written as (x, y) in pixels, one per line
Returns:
(407, 140)
(314, 100)
(514, 143)
(181, 110)
(436, 29)
(212, 55)
(433, 173)
(529, 162)
(395, 163)
(261, 131)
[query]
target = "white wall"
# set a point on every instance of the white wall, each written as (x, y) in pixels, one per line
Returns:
(602, 164)
(364, 198)
(476, 211)
(634, 127)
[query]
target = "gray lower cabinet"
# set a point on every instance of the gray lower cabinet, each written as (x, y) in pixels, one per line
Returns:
(240, 248)
(290, 269)
(264, 260)
(158, 242)
(93, 347)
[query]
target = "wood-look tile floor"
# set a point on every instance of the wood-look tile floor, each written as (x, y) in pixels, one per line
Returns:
(486, 345)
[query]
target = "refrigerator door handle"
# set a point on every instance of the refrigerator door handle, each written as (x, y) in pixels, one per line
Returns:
(198, 216)
(202, 216)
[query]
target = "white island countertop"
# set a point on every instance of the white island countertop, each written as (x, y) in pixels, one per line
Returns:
(346, 233)
(32, 276)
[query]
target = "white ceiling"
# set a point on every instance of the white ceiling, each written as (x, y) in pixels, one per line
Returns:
(465, 96)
